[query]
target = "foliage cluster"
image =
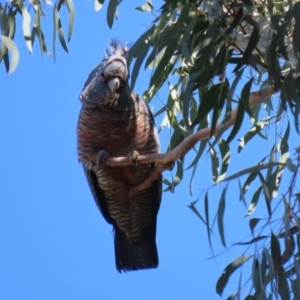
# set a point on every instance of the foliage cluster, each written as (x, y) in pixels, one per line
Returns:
(192, 47)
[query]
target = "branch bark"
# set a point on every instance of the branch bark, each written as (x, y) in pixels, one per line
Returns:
(166, 160)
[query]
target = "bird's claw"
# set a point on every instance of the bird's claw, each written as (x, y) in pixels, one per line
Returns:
(102, 156)
(132, 156)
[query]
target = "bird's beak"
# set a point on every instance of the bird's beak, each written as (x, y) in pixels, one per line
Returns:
(113, 85)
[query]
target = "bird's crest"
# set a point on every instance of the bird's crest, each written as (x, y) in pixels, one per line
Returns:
(116, 46)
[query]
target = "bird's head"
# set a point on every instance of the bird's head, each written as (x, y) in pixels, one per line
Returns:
(110, 78)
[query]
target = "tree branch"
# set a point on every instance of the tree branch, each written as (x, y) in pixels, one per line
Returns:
(166, 160)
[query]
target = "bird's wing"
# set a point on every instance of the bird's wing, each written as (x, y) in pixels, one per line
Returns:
(98, 194)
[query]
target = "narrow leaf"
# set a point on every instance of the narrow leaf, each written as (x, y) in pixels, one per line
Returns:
(252, 223)
(254, 240)
(206, 209)
(111, 11)
(54, 33)
(195, 210)
(254, 38)
(11, 46)
(137, 65)
(71, 10)
(251, 170)
(98, 4)
(221, 210)
(256, 129)
(245, 97)
(26, 28)
(209, 100)
(144, 8)
(256, 277)
(214, 162)
(237, 124)
(254, 201)
(60, 30)
(267, 192)
(228, 271)
(225, 153)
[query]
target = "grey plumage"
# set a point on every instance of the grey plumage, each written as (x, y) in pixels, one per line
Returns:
(115, 122)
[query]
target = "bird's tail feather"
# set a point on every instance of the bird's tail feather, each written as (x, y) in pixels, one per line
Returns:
(131, 257)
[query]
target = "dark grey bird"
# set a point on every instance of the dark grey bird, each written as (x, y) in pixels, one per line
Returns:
(114, 121)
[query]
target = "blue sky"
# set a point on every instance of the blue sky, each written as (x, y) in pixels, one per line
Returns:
(54, 242)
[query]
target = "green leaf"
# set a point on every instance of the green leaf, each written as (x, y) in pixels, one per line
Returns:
(178, 177)
(275, 253)
(228, 271)
(252, 223)
(54, 33)
(41, 38)
(161, 74)
(295, 288)
(291, 166)
(162, 65)
(274, 67)
(60, 30)
(206, 209)
(253, 132)
(254, 201)
(214, 162)
(221, 210)
(269, 261)
(245, 97)
(237, 124)
(11, 19)
(225, 153)
(195, 210)
(26, 28)
(289, 243)
(254, 38)
(137, 65)
(146, 7)
(37, 27)
(71, 10)
(187, 96)
(202, 147)
(283, 288)
(296, 32)
(248, 181)
(162, 22)
(11, 46)
(264, 266)
(242, 196)
(274, 179)
(236, 21)
(210, 99)
(254, 240)
(139, 44)
(111, 11)
(267, 192)
(176, 138)
(179, 173)
(180, 23)
(256, 277)
(98, 4)
(160, 43)
(251, 170)
(297, 280)
(218, 108)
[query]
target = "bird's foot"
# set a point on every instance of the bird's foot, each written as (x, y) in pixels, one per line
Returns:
(132, 156)
(102, 156)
